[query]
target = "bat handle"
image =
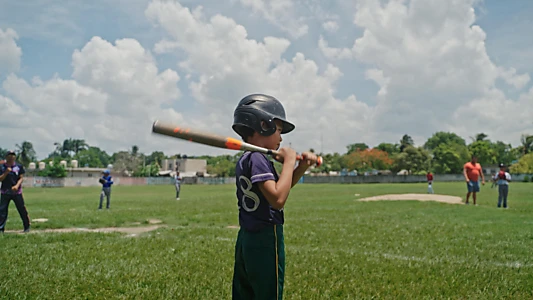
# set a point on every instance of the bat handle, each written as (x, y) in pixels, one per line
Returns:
(318, 159)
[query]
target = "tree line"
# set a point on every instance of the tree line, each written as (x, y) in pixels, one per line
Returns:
(442, 153)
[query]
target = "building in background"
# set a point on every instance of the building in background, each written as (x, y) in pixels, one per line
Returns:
(72, 171)
(188, 167)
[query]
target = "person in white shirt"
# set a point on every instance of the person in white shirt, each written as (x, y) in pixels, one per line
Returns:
(503, 178)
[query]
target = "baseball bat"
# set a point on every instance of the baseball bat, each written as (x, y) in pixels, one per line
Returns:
(214, 140)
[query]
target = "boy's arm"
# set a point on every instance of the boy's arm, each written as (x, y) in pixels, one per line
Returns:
(310, 159)
(277, 193)
(482, 176)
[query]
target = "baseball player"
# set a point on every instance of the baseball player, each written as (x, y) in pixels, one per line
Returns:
(11, 176)
(429, 178)
(503, 178)
(177, 182)
(261, 196)
(106, 181)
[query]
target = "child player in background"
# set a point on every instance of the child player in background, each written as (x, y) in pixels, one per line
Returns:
(106, 181)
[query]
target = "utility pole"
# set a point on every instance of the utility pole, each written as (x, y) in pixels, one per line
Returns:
(321, 143)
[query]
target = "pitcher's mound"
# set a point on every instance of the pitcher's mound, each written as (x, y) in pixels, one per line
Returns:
(418, 197)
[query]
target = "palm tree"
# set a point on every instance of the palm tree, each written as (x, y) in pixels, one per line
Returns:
(26, 153)
(134, 150)
(479, 137)
(527, 143)
(406, 141)
(78, 145)
(67, 147)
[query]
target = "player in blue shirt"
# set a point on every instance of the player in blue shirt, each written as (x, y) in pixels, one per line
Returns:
(261, 196)
(11, 176)
(106, 182)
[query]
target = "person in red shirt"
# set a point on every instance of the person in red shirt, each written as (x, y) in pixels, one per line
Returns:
(429, 177)
(472, 171)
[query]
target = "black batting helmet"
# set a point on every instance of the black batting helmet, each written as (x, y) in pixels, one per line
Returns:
(255, 108)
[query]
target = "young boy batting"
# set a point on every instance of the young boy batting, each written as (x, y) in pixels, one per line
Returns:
(261, 196)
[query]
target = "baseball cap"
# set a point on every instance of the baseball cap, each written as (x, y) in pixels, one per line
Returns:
(502, 165)
(11, 152)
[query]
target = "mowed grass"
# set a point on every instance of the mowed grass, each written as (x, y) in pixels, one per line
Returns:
(336, 247)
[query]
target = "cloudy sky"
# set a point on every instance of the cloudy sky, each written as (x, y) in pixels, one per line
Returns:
(346, 70)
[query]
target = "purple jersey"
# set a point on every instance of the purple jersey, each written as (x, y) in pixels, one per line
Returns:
(254, 210)
(12, 178)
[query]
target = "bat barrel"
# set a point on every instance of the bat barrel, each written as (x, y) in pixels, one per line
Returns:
(205, 138)
(188, 134)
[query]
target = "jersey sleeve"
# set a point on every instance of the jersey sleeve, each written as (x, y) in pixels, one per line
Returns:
(260, 169)
(22, 171)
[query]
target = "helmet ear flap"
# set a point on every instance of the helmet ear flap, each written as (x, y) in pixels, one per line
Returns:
(268, 127)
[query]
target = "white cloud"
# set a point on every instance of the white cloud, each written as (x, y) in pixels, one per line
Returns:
(510, 77)
(10, 52)
(379, 78)
(430, 61)
(116, 94)
(330, 26)
(427, 58)
(333, 53)
(230, 66)
(281, 13)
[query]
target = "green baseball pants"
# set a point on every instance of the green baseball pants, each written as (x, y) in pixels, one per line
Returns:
(259, 264)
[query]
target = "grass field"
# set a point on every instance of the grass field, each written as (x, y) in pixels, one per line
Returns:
(336, 247)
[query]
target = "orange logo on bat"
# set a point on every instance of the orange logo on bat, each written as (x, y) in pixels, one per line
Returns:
(233, 144)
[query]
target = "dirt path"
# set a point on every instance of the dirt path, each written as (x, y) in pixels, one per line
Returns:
(131, 231)
(418, 197)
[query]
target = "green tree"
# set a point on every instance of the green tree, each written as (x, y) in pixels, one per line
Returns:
(446, 138)
(3, 153)
(524, 165)
(480, 137)
(449, 159)
(134, 150)
(150, 170)
(78, 145)
(155, 157)
(56, 170)
(357, 146)
(26, 153)
(405, 142)
(413, 159)
(504, 153)
(484, 152)
(526, 141)
(126, 161)
(94, 157)
(221, 166)
(389, 148)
